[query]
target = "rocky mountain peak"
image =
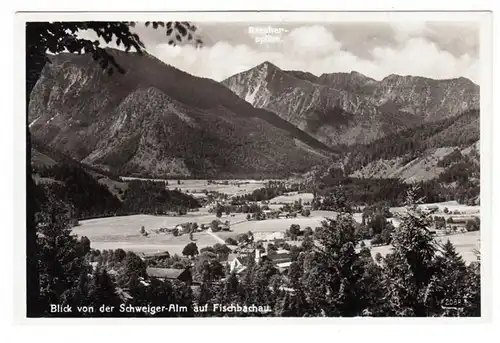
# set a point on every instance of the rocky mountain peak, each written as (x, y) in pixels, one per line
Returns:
(375, 108)
(267, 65)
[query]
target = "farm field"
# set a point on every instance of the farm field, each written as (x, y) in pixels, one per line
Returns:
(123, 232)
(273, 227)
(290, 199)
(272, 206)
(198, 186)
(451, 205)
(464, 243)
(358, 217)
(270, 226)
(459, 212)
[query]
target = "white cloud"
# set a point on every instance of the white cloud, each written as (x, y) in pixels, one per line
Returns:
(408, 29)
(310, 41)
(423, 58)
(315, 49)
(217, 62)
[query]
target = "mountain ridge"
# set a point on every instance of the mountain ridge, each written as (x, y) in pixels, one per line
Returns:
(376, 108)
(156, 120)
(358, 74)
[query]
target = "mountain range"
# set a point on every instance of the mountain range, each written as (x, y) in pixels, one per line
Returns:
(351, 108)
(157, 121)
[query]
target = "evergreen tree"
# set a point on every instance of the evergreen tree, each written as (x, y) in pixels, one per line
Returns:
(307, 243)
(255, 285)
(332, 273)
(293, 304)
(61, 259)
(283, 306)
(132, 270)
(191, 249)
(409, 270)
(472, 292)
(78, 295)
(451, 279)
(159, 292)
(231, 289)
(103, 292)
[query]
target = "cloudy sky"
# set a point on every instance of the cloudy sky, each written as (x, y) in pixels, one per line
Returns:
(431, 49)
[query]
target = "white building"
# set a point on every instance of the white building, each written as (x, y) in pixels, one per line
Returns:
(235, 263)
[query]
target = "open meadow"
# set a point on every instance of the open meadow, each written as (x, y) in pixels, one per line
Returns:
(270, 226)
(123, 232)
(197, 187)
(452, 207)
(291, 198)
(464, 243)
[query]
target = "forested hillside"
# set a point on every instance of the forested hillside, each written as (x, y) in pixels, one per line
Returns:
(86, 197)
(152, 197)
(77, 188)
(442, 158)
(460, 131)
(157, 121)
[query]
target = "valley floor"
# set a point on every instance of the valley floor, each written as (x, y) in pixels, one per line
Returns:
(124, 232)
(197, 187)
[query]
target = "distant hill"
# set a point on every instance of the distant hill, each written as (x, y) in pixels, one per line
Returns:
(351, 108)
(89, 192)
(43, 155)
(416, 154)
(157, 121)
(86, 190)
(442, 158)
(48, 163)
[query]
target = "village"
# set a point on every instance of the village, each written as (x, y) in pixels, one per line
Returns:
(243, 248)
(235, 234)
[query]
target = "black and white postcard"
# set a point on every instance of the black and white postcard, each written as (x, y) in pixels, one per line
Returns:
(255, 164)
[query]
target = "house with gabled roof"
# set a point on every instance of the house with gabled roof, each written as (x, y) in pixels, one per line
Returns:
(183, 275)
(162, 255)
(237, 263)
(280, 258)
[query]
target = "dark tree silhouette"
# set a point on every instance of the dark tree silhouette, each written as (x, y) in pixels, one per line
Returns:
(191, 249)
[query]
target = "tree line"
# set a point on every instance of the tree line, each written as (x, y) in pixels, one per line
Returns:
(88, 198)
(272, 190)
(390, 192)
